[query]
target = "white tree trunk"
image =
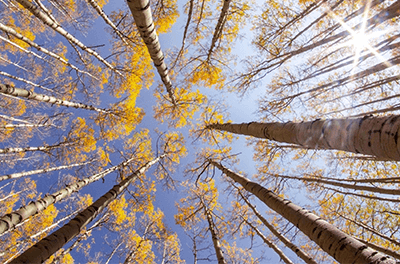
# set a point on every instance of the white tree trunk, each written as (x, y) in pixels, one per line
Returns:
(342, 247)
(25, 81)
(345, 185)
(32, 172)
(42, 250)
(377, 136)
(17, 35)
(54, 25)
(19, 92)
(107, 20)
(298, 251)
(11, 220)
(141, 12)
(43, 148)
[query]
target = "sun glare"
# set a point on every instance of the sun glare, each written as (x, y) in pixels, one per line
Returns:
(359, 41)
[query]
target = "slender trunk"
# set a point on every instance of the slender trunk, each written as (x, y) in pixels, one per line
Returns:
(180, 52)
(10, 31)
(81, 237)
(299, 252)
(370, 229)
(342, 247)
(269, 243)
(14, 119)
(100, 11)
(11, 220)
(19, 92)
(370, 197)
(217, 245)
(25, 81)
(17, 35)
(42, 250)
(142, 14)
(383, 180)
(377, 136)
(219, 27)
(15, 64)
(49, 22)
(113, 253)
(32, 172)
(43, 148)
(345, 185)
(14, 126)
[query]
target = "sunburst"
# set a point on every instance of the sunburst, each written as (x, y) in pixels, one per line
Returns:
(360, 39)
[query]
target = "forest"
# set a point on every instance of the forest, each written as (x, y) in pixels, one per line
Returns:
(200, 131)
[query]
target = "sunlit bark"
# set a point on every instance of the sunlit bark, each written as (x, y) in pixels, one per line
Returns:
(373, 189)
(298, 251)
(17, 35)
(49, 245)
(11, 220)
(219, 27)
(342, 247)
(27, 149)
(375, 136)
(19, 92)
(49, 22)
(32, 172)
(142, 14)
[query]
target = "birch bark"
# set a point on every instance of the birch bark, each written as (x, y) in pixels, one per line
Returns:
(54, 25)
(19, 92)
(11, 220)
(298, 251)
(342, 247)
(377, 136)
(42, 250)
(142, 14)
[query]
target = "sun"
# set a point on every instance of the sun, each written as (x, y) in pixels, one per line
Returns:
(359, 41)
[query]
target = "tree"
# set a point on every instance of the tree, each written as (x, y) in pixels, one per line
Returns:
(342, 247)
(367, 135)
(142, 14)
(56, 240)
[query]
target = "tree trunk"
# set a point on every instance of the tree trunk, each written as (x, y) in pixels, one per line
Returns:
(17, 35)
(342, 247)
(217, 245)
(11, 220)
(42, 250)
(54, 25)
(142, 14)
(299, 252)
(32, 172)
(43, 148)
(25, 81)
(19, 92)
(101, 13)
(269, 243)
(344, 185)
(377, 136)
(219, 27)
